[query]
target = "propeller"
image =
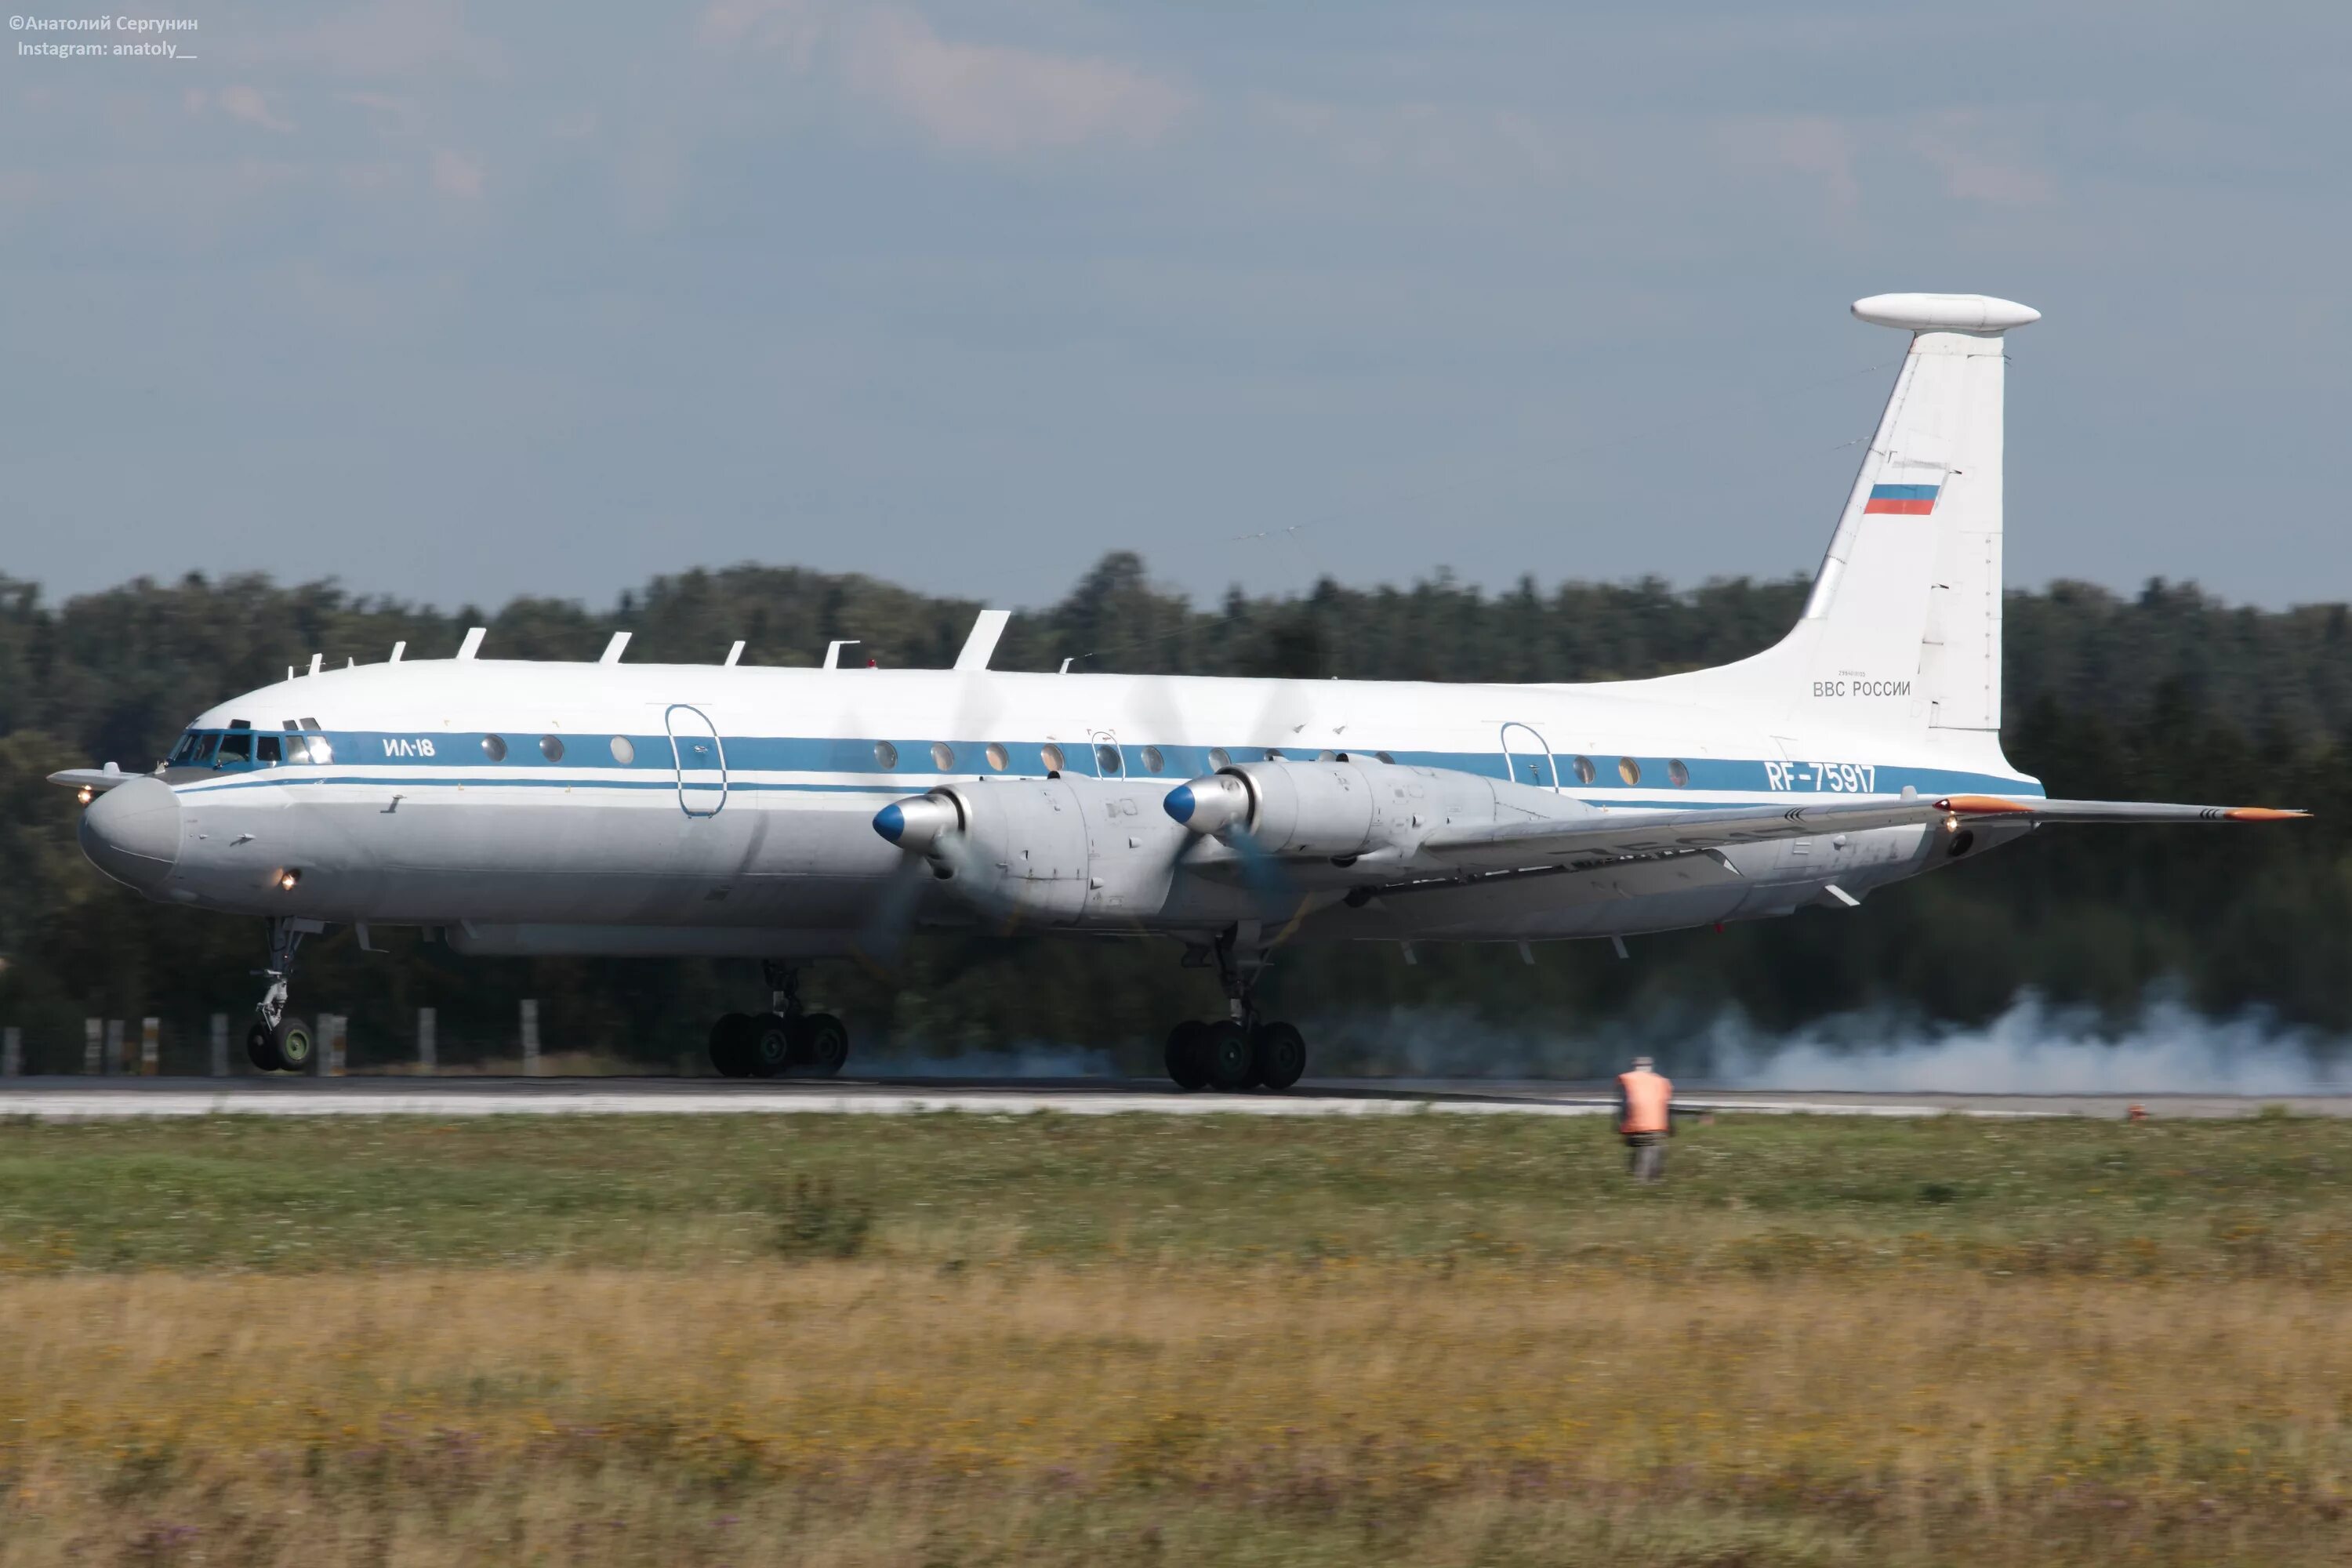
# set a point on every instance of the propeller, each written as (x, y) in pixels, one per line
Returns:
(927, 829)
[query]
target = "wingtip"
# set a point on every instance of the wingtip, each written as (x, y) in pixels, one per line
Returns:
(2263, 813)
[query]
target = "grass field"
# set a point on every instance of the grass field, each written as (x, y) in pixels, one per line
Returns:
(959, 1340)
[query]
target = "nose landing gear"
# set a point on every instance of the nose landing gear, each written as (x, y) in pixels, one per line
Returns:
(783, 1041)
(1243, 1051)
(276, 1041)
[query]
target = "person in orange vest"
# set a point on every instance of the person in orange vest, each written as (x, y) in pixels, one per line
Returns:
(1645, 1118)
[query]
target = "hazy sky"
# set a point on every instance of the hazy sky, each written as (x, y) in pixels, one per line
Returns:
(462, 301)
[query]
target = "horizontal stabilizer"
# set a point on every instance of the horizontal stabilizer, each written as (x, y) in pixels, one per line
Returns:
(1614, 834)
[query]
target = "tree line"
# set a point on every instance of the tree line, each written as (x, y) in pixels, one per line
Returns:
(2166, 694)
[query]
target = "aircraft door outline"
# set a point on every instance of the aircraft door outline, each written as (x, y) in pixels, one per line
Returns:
(700, 759)
(1534, 763)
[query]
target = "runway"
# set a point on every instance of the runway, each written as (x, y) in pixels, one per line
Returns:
(91, 1100)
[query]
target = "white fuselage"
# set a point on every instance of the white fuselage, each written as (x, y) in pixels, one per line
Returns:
(728, 809)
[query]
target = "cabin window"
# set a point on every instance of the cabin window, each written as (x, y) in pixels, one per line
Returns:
(625, 750)
(1107, 760)
(1152, 760)
(1583, 769)
(552, 748)
(886, 754)
(998, 758)
(1677, 772)
(265, 750)
(1220, 758)
(1274, 754)
(1052, 756)
(495, 748)
(943, 755)
(1386, 758)
(1629, 770)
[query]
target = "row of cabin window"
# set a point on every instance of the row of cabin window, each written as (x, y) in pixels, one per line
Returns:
(623, 749)
(1109, 762)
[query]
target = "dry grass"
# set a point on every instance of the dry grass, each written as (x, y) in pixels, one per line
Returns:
(850, 1412)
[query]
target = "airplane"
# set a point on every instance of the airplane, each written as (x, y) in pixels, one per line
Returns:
(793, 813)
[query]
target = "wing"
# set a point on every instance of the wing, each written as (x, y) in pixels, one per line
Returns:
(98, 781)
(1617, 833)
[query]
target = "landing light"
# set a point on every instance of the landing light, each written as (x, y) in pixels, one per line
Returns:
(85, 794)
(287, 879)
(1951, 821)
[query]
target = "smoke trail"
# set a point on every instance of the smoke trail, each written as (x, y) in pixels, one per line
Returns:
(2033, 1047)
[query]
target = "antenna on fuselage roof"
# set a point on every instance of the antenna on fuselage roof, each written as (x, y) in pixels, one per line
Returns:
(473, 642)
(833, 652)
(397, 649)
(613, 649)
(734, 653)
(981, 644)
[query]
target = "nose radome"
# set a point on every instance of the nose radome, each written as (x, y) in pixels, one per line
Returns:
(133, 833)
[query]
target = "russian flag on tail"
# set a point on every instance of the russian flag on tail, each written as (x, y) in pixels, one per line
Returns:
(1909, 501)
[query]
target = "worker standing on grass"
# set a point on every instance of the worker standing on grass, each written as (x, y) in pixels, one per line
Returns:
(1645, 1117)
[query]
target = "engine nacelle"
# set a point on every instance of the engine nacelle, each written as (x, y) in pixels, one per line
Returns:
(1340, 809)
(1319, 808)
(1060, 851)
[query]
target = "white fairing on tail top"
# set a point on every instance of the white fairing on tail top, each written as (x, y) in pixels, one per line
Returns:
(616, 807)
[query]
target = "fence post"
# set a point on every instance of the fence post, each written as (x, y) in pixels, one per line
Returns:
(151, 1046)
(220, 1044)
(92, 1062)
(530, 1037)
(427, 1049)
(12, 1052)
(113, 1047)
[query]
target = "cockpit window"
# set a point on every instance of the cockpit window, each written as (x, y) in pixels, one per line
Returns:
(237, 747)
(265, 750)
(186, 749)
(321, 749)
(298, 750)
(204, 752)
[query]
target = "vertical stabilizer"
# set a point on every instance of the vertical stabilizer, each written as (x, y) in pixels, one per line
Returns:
(1902, 630)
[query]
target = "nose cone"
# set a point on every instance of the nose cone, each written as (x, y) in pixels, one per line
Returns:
(917, 823)
(133, 833)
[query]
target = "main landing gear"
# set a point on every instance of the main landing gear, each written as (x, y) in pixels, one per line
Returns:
(1242, 1051)
(278, 1041)
(786, 1039)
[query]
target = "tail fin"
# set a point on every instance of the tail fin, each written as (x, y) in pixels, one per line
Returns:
(1903, 628)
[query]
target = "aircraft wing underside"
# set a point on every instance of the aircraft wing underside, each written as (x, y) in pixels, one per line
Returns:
(1618, 834)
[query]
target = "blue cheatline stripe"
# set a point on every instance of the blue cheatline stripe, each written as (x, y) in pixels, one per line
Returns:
(1904, 492)
(459, 760)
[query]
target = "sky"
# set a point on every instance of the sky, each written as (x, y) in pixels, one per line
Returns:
(457, 302)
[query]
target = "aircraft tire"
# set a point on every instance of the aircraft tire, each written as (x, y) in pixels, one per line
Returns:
(730, 1045)
(822, 1042)
(1187, 1054)
(769, 1045)
(261, 1049)
(1279, 1053)
(294, 1044)
(1227, 1050)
